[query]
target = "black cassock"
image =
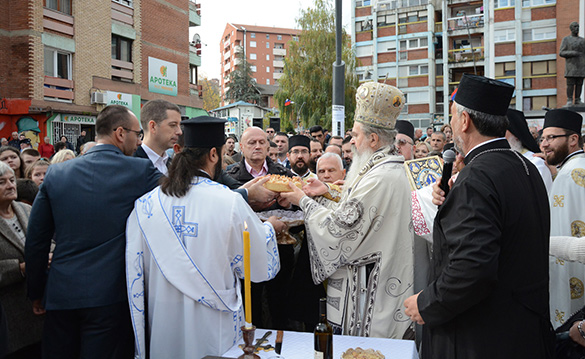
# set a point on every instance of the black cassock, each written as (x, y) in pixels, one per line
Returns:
(489, 295)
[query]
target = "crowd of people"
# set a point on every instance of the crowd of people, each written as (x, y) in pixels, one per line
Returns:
(151, 265)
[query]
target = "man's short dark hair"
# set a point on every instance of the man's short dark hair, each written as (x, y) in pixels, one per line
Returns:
(26, 190)
(110, 118)
(272, 144)
(31, 152)
(156, 110)
(440, 133)
(60, 146)
(315, 128)
(233, 136)
(279, 133)
(336, 138)
(313, 139)
(346, 140)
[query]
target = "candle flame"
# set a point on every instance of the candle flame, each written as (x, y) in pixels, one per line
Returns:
(245, 226)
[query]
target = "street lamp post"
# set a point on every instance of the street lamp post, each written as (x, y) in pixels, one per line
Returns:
(299, 115)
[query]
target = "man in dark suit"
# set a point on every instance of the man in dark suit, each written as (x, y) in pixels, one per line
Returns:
(161, 122)
(489, 295)
(84, 293)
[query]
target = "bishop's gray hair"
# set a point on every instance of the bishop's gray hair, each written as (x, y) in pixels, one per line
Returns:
(5, 168)
(386, 136)
(485, 123)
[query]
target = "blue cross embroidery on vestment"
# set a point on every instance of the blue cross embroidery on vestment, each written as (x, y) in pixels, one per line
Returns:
(181, 227)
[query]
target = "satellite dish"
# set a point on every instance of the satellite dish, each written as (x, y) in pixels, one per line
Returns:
(196, 38)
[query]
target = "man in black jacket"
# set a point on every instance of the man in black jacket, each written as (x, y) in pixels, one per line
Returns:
(161, 123)
(489, 296)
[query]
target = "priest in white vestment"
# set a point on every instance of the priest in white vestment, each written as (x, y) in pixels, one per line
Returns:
(562, 147)
(363, 245)
(184, 254)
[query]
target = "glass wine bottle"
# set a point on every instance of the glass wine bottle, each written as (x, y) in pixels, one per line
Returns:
(323, 334)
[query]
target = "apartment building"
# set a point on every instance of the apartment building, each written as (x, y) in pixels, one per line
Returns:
(424, 47)
(265, 49)
(65, 60)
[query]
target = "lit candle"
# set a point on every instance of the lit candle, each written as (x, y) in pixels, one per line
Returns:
(247, 283)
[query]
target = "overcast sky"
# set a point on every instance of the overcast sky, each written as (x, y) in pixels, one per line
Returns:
(215, 14)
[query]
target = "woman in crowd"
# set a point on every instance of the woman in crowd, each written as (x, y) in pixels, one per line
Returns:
(422, 150)
(62, 156)
(37, 170)
(448, 131)
(24, 328)
(11, 156)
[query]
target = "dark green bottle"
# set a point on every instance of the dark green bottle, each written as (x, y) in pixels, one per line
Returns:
(323, 334)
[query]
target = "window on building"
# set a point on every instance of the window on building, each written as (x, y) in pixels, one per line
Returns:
(278, 46)
(531, 3)
(193, 74)
(536, 103)
(278, 37)
(267, 45)
(63, 6)
(252, 43)
(538, 68)
(415, 70)
(253, 68)
(57, 64)
(538, 34)
(413, 16)
(253, 35)
(252, 56)
(359, 3)
(267, 68)
(268, 36)
(505, 69)
(267, 57)
(504, 35)
(364, 25)
(268, 81)
(124, 2)
(121, 48)
(385, 18)
(295, 38)
(412, 44)
(505, 3)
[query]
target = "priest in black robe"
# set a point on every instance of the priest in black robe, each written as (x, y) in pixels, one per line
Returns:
(489, 296)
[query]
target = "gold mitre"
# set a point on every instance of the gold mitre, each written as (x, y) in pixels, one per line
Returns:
(378, 105)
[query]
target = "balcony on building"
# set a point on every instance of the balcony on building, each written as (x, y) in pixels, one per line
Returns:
(195, 53)
(279, 51)
(465, 20)
(194, 13)
(466, 50)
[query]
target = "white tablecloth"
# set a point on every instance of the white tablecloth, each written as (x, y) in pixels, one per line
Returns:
(296, 345)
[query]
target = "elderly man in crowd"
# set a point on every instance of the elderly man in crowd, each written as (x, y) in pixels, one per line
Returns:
(490, 243)
(330, 168)
(405, 139)
(256, 163)
(363, 244)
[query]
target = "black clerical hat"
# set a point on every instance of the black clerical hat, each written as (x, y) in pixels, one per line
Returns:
(299, 140)
(484, 94)
(204, 132)
(519, 128)
(569, 120)
(405, 127)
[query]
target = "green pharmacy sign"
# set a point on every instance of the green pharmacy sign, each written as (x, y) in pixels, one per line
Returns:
(162, 76)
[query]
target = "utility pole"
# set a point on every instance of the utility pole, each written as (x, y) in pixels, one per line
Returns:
(338, 110)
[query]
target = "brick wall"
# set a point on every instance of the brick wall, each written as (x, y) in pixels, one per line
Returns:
(539, 48)
(386, 57)
(419, 81)
(365, 61)
(363, 11)
(418, 54)
(93, 41)
(418, 108)
(504, 15)
(363, 36)
(387, 31)
(505, 49)
(542, 13)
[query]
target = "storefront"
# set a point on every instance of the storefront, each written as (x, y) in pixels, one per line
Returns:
(70, 126)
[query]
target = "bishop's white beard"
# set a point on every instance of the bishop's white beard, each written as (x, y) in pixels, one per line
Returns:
(515, 143)
(360, 158)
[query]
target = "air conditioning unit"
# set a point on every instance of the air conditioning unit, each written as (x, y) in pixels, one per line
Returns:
(98, 98)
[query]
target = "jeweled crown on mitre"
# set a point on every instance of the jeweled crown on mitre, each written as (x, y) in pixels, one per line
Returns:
(378, 105)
